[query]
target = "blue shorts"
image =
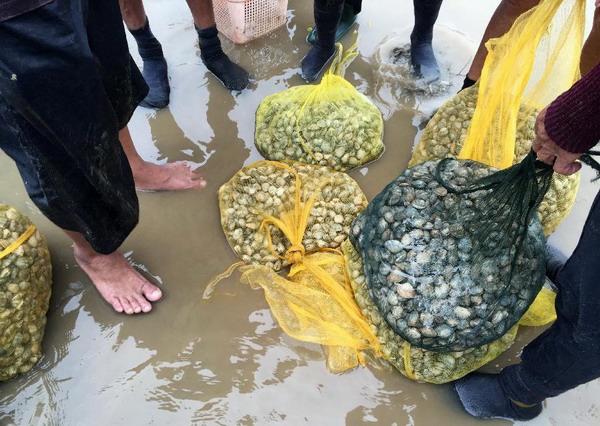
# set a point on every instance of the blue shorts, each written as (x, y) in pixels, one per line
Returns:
(67, 86)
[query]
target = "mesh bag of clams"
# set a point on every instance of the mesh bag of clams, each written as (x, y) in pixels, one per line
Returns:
(270, 189)
(454, 252)
(329, 124)
(292, 214)
(525, 70)
(427, 366)
(25, 281)
(446, 133)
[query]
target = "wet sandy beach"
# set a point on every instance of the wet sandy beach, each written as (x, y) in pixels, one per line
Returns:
(225, 361)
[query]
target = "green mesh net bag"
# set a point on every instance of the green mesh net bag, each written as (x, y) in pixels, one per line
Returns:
(25, 285)
(454, 252)
(415, 363)
(445, 135)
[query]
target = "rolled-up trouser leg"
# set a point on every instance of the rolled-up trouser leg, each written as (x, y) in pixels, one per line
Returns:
(568, 354)
(67, 85)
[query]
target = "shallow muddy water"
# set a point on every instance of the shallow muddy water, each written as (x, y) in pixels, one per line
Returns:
(225, 361)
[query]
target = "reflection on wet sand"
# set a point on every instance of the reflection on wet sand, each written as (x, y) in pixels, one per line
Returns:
(221, 361)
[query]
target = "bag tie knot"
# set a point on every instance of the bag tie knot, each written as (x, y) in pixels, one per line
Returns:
(295, 254)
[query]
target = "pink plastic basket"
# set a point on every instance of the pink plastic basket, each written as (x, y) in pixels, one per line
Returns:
(245, 20)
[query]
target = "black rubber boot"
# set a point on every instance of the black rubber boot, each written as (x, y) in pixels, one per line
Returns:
(421, 51)
(327, 19)
(155, 67)
(229, 73)
(483, 396)
(346, 22)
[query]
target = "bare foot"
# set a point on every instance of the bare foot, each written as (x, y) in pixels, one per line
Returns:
(116, 280)
(169, 177)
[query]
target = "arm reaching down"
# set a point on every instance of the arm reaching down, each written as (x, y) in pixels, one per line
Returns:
(570, 125)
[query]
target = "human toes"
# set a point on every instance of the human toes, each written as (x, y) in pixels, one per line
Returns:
(198, 183)
(143, 303)
(151, 292)
(127, 308)
(117, 306)
(135, 304)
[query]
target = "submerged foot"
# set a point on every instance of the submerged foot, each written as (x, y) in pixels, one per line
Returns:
(483, 396)
(424, 62)
(228, 72)
(169, 177)
(315, 61)
(157, 77)
(155, 67)
(118, 283)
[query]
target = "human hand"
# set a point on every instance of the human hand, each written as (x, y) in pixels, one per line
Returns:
(549, 152)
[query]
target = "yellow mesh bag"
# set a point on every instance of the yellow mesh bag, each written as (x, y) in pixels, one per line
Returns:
(427, 366)
(267, 188)
(525, 70)
(532, 64)
(315, 302)
(542, 311)
(329, 124)
(25, 287)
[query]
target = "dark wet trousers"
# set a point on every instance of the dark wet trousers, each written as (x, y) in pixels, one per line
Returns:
(67, 86)
(356, 4)
(568, 353)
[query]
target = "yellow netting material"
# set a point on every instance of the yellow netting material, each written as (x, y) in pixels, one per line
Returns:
(427, 366)
(446, 133)
(18, 242)
(542, 310)
(25, 288)
(329, 124)
(315, 302)
(532, 64)
(264, 189)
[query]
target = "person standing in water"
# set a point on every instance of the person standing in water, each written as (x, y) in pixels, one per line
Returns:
(68, 88)
(503, 19)
(568, 353)
(333, 18)
(155, 69)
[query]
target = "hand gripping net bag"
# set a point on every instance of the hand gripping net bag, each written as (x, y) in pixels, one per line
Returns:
(329, 124)
(314, 303)
(493, 123)
(25, 286)
(433, 367)
(454, 253)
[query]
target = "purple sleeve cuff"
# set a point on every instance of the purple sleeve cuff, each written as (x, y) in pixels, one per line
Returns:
(573, 119)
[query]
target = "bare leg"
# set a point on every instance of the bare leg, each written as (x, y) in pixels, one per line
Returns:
(502, 20)
(154, 177)
(118, 283)
(133, 13)
(202, 11)
(590, 55)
